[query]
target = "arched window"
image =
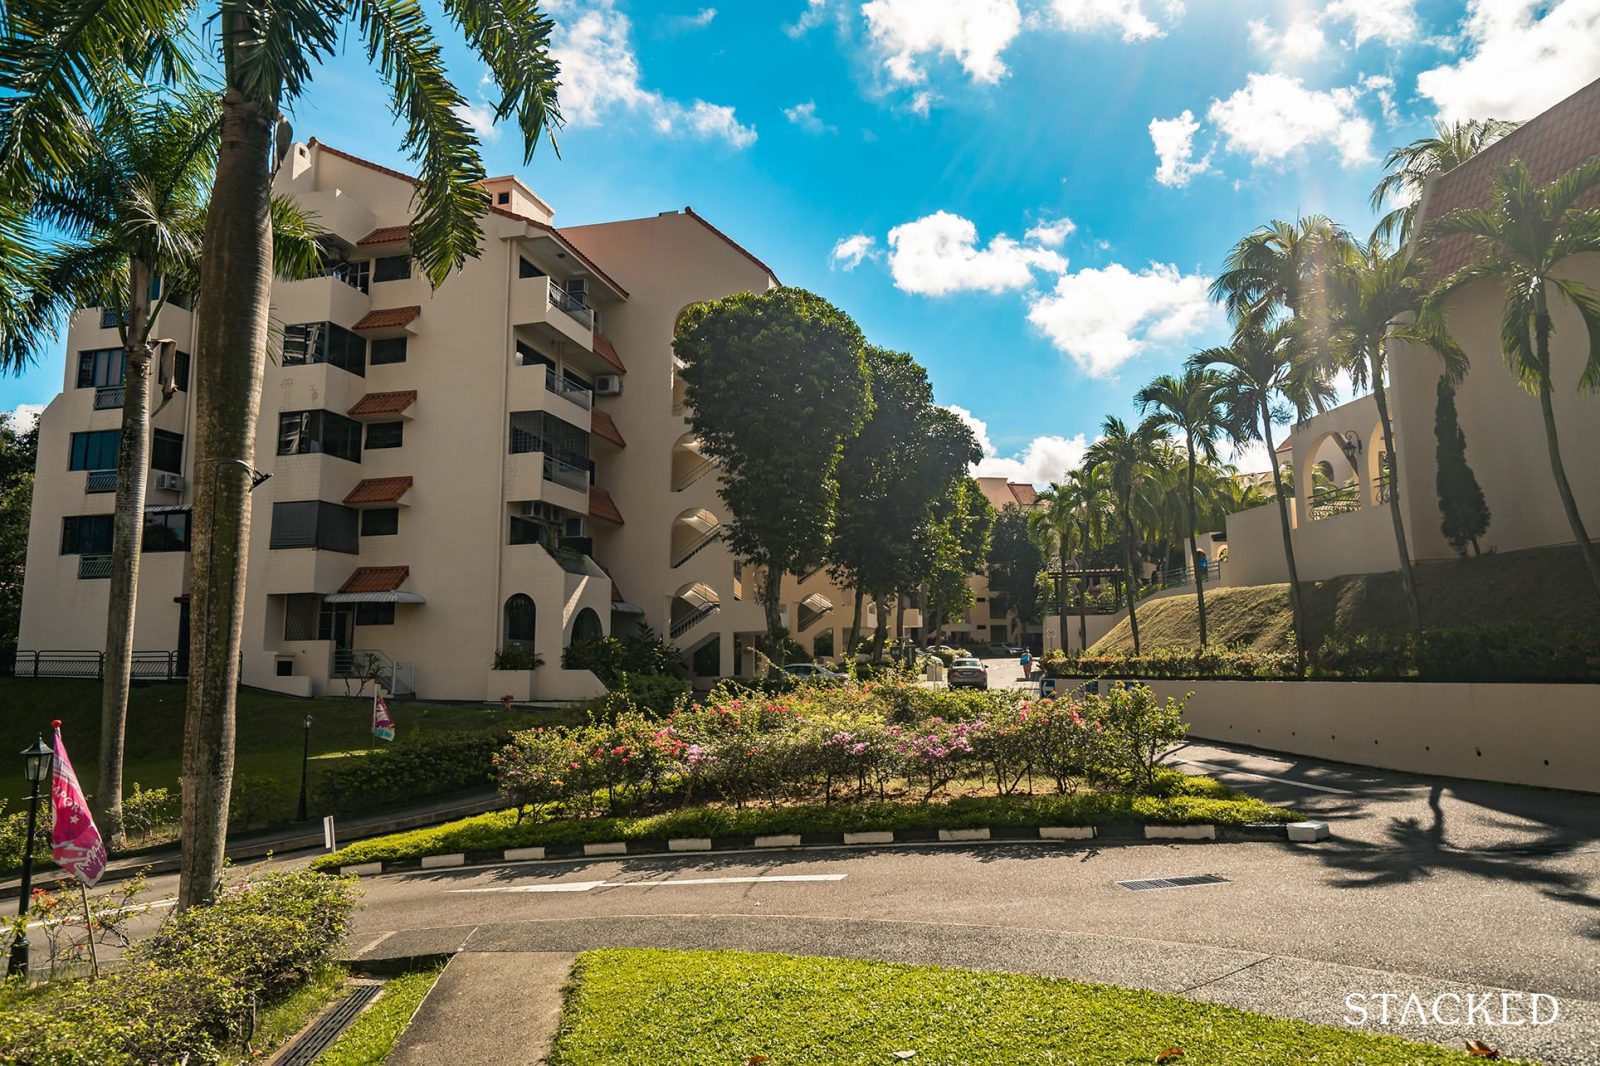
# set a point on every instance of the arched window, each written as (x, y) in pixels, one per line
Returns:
(586, 627)
(519, 622)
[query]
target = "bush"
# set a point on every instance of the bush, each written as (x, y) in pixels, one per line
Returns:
(610, 657)
(1138, 729)
(1509, 653)
(512, 657)
(14, 834)
(192, 987)
(421, 765)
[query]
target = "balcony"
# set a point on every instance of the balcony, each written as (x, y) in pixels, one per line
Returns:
(563, 473)
(94, 567)
(99, 481)
(559, 385)
(539, 477)
(541, 304)
(109, 398)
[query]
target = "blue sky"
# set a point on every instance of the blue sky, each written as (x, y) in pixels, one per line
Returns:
(1031, 196)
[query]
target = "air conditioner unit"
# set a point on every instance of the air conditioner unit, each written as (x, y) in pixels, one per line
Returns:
(169, 482)
(574, 527)
(578, 287)
(608, 385)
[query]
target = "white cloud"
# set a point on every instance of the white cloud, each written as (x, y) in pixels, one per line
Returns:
(1392, 22)
(850, 251)
(939, 254)
(1103, 317)
(1174, 143)
(600, 74)
(805, 116)
(814, 15)
(1052, 234)
(1521, 56)
(24, 416)
(922, 103)
(1127, 16)
(1275, 115)
(972, 32)
(1301, 40)
(697, 21)
(1044, 460)
(480, 119)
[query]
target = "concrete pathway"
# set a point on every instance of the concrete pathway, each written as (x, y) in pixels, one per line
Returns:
(498, 1007)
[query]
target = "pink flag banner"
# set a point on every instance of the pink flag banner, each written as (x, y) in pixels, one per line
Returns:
(75, 842)
(382, 724)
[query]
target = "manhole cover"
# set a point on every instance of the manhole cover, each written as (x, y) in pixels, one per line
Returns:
(1151, 884)
(334, 1021)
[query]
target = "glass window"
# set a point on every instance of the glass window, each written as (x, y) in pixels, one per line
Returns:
(319, 432)
(537, 431)
(100, 368)
(315, 524)
(528, 355)
(166, 451)
(380, 522)
(374, 614)
(86, 534)
(388, 350)
(180, 370)
(502, 198)
(94, 451)
(166, 531)
(391, 268)
(519, 622)
(385, 434)
(324, 342)
(527, 269)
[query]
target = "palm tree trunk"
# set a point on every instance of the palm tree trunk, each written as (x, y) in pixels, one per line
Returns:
(880, 632)
(1408, 577)
(855, 626)
(133, 472)
(1061, 581)
(1591, 558)
(899, 618)
(1194, 552)
(1127, 557)
(231, 343)
(1083, 593)
(771, 595)
(1295, 609)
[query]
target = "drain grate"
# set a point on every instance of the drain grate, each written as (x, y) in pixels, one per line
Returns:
(326, 1029)
(1152, 884)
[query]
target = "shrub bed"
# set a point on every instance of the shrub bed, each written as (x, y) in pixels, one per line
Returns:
(190, 989)
(416, 767)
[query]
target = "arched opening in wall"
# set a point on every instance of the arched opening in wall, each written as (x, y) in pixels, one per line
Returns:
(1379, 470)
(689, 464)
(1334, 464)
(586, 627)
(691, 605)
(693, 531)
(519, 622)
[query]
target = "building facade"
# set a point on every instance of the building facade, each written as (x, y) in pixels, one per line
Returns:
(456, 481)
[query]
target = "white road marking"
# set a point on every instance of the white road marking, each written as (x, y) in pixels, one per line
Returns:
(139, 908)
(589, 886)
(1266, 777)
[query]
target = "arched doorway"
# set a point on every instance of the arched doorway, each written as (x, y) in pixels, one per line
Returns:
(519, 622)
(587, 627)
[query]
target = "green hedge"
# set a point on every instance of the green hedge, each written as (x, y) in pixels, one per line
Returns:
(419, 766)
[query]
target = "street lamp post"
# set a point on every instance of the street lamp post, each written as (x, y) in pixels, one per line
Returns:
(305, 768)
(36, 762)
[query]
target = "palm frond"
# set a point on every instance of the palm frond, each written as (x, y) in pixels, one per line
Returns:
(512, 37)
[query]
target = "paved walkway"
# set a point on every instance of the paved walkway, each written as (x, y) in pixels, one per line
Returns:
(488, 1007)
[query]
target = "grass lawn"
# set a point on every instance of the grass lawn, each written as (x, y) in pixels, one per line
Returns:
(269, 738)
(374, 1034)
(278, 1022)
(646, 1007)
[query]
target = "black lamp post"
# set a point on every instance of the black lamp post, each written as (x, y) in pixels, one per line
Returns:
(36, 762)
(305, 768)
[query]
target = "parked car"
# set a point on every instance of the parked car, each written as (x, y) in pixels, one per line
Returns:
(968, 673)
(813, 672)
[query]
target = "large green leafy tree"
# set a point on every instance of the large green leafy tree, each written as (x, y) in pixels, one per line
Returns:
(1523, 239)
(1194, 404)
(778, 383)
(19, 450)
(1408, 168)
(962, 523)
(1126, 454)
(942, 451)
(1463, 511)
(1014, 565)
(55, 56)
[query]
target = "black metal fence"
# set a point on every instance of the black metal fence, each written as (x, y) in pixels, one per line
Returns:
(145, 665)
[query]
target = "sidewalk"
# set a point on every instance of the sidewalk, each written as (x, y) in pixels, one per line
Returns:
(502, 1007)
(286, 839)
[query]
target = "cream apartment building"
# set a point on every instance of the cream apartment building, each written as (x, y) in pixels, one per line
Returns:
(503, 463)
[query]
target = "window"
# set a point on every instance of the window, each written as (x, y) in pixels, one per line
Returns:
(166, 531)
(586, 627)
(527, 269)
(528, 355)
(356, 275)
(166, 451)
(86, 534)
(391, 268)
(536, 431)
(180, 370)
(374, 614)
(519, 622)
(380, 522)
(324, 342)
(577, 379)
(315, 524)
(502, 198)
(313, 432)
(385, 434)
(100, 368)
(387, 350)
(94, 451)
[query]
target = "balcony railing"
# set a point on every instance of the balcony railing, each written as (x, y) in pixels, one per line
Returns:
(563, 473)
(694, 475)
(100, 481)
(1382, 492)
(706, 540)
(1341, 499)
(109, 398)
(692, 619)
(92, 567)
(564, 388)
(575, 308)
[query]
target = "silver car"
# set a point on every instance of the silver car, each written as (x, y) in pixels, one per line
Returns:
(968, 673)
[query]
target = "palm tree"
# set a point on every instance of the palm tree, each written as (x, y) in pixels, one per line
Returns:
(126, 223)
(1050, 525)
(1265, 366)
(1375, 297)
(1089, 496)
(1525, 235)
(1408, 168)
(1125, 455)
(1193, 403)
(1280, 268)
(268, 49)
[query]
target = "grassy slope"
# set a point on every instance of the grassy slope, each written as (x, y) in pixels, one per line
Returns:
(270, 730)
(1545, 586)
(635, 1008)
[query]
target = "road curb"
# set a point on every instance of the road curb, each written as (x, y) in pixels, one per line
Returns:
(1288, 832)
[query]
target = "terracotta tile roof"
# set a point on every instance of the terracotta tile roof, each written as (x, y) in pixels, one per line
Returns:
(735, 245)
(607, 351)
(1024, 494)
(383, 403)
(379, 490)
(376, 579)
(388, 317)
(602, 506)
(1552, 143)
(602, 425)
(387, 235)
